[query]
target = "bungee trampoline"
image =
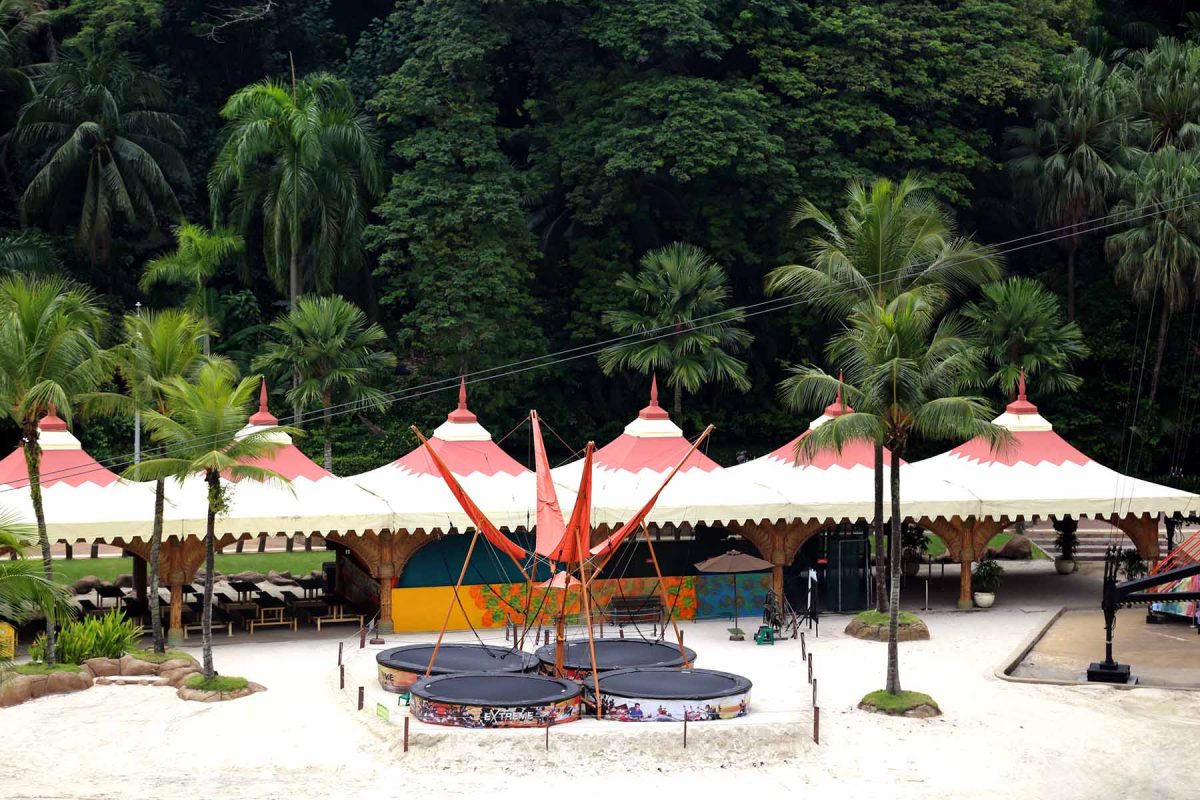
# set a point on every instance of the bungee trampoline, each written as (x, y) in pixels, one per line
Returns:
(400, 667)
(612, 654)
(495, 700)
(670, 694)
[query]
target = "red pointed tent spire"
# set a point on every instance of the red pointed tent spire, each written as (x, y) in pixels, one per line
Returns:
(462, 413)
(1021, 405)
(52, 422)
(654, 410)
(838, 406)
(263, 417)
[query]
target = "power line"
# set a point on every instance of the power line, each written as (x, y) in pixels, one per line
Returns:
(594, 348)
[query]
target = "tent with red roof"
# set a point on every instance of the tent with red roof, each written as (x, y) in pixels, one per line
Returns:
(501, 487)
(83, 500)
(630, 468)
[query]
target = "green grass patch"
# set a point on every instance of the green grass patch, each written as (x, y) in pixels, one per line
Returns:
(897, 704)
(44, 669)
(107, 569)
(217, 683)
(1000, 539)
(159, 658)
(874, 617)
(935, 547)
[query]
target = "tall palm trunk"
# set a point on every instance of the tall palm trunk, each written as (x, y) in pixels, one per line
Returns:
(33, 468)
(677, 404)
(214, 489)
(880, 583)
(160, 644)
(893, 662)
(1163, 323)
(327, 400)
(295, 289)
(1072, 246)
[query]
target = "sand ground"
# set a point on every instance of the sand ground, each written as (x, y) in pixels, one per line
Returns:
(304, 738)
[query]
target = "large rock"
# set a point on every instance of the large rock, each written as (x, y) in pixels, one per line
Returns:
(86, 585)
(196, 695)
(63, 682)
(14, 690)
(103, 667)
(1018, 548)
(177, 663)
(124, 582)
(912, 632)
(249, 577)
(178, 675)
(37, 685)
(135, 666)
(280, 578)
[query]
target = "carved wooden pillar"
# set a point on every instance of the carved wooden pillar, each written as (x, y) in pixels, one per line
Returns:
(1142, 531)
(966, 542)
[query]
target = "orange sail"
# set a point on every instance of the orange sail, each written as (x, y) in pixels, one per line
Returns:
(550, 526)
(576, 537)
(478, 518)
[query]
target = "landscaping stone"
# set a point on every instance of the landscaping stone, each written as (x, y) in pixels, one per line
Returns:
(135, 666)
(63, 682)
(37, 685)
(103, 667)
(1018, 548)
(124, 582)
(913, 632)
(177, 663)
(280, 579)
(250, 577)
(179, 675)
(200, 696)
(86, 585)
(14, 690)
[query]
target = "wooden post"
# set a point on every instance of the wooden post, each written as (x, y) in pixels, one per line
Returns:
(362, 638)
(964, 586)
(339, 654)
(803, 647)
(817, 724)
(814, 693)
(547, 737)
(685, 731)
(175, 630)
(361, 691)
(810, 667)
(341, 676)
(406, 733)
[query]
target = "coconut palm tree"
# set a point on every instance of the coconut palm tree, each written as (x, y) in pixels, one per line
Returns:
(99, 147)
(890, 238)
(24, 590)
(906, 368)
(198, 254)
(307, 162)
(1020, 329)
(49, 356)
(679, 287)
(157, 347)
(1069, 159)
(201, 435)
(335, 350)
(22, 23)
(1158, 254)
(26, 252)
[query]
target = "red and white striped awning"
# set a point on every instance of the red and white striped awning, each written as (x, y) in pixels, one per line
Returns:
(629, 469)
(83, 500)
(502, 488)
(1041, 474)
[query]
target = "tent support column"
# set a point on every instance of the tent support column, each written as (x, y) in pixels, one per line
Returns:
(964, 587)
(175, 629)
(386, 582)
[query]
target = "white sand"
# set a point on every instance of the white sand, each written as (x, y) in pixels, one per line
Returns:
(303, 738)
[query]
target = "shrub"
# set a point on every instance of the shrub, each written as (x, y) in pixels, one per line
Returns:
(988, 573)
(1132, 565)
(109, 636)
(1065, 543)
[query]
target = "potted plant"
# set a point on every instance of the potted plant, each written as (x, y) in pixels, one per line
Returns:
(1065, 543)
(986, 581)
(913, 547)
(1132, 565)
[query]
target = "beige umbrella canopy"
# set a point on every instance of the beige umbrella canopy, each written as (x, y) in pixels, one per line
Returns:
(733, 562)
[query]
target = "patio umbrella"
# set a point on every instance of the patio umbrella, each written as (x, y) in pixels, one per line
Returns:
(733, 562)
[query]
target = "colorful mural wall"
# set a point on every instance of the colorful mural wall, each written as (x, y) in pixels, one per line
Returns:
(714, 595)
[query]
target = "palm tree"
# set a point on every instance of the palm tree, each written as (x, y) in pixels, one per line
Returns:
(1069, 159)
(24, 590)
(890, 238)
(201, 434)
(198, 254)
(304, 159)
(1158, 254)
(1019, 326)
(49, 356)
(100, 146)
(905, 368)
(157, 347)
(26, 252)
(1167, 84)
(335, 350)
(21, 23)
(679, 287)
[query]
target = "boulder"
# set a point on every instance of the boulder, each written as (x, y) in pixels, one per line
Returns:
(135, 666)
(912, 632)
(37, 685)
(63, 682)
(178, 675)
(196, 695)
(124, 582)
(280, 578)
(86, 584)
(177, 663)
(103, 667)
(14, 690)
(249, 577)
(1018, 548)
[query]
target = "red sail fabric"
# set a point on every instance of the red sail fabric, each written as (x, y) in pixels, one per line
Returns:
(482, 523)
(611, 543)
(550, 526)
(579, 529)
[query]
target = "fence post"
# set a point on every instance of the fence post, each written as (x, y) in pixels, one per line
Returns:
(817, 724)
(406, 733)
(341, 676)
(362, 637)
(339, 654)
(803, 646)
(360, 698)
(547, 737)
(814, 693)
(810, 667)
(685, 731)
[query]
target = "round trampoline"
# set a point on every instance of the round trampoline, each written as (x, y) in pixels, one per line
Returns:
(495, 700)
(614, 654)
(400, 667)
(669, 694)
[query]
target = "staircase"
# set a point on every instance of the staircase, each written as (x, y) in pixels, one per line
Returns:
(1093, 543)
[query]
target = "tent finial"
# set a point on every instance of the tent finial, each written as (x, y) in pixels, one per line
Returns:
(262, 396)
(263, 416)
(1021, 386)
(462, 393)
(654, 389)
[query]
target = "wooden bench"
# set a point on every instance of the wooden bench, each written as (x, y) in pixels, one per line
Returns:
(337, 614)
(270, 616)
(631, 610)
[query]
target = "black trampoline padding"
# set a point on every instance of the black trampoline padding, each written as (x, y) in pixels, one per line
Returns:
(454, 658)
(613, 654)
(490, 689)
(668, 683)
